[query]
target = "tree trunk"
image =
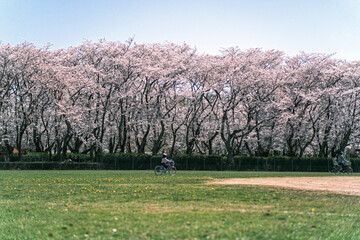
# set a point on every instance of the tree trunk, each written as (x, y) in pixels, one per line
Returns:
(159, 141)
(67, 138)
(209, 143)
(19, 136)
(75, 148)
(142, 144)
(37, 141)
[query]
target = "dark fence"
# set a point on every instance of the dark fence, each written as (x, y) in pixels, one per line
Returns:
(182, 162)
(285, 164)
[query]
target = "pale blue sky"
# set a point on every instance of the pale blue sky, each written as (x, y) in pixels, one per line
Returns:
(321, 26)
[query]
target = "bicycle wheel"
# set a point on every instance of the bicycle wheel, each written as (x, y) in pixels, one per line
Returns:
(159, 170)
(349, 170)
(338, 170)
(172, 171)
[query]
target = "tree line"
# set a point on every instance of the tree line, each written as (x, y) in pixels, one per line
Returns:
(128, 97)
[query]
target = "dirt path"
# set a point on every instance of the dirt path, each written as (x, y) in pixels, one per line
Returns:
(338, 184)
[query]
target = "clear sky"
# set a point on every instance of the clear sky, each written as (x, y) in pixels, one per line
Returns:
(312, 26)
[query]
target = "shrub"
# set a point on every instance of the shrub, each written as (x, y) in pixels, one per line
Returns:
(133, 161)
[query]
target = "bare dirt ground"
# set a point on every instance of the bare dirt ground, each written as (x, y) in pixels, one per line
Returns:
(337, 184)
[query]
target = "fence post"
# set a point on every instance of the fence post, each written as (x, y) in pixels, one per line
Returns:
(204, 163)
(292, 164)
(310, 164)
(239, 164)
(274, 164)
(133, 164)
(328, 166)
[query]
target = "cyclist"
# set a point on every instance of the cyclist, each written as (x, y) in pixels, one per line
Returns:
(341, 161)
(167, 166)
(164, 161)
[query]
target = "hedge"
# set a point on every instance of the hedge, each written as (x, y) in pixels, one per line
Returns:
(48, 166)
(284, 164)
(122, 161)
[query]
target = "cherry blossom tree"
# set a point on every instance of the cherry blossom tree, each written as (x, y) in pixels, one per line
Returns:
(127, 97)
(22, 68)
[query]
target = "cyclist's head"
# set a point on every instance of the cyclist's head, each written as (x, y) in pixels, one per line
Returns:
(164, 154)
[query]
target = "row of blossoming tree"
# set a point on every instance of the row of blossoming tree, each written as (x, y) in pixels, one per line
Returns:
(128, 97)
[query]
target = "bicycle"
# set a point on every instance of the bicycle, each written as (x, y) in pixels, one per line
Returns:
(160, 169)
(337, 169)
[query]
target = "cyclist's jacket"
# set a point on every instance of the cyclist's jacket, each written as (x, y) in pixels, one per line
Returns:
(340, 159)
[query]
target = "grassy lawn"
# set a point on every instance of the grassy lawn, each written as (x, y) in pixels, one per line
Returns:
(139, 205)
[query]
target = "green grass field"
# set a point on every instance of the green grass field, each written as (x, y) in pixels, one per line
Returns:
(139, 205)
